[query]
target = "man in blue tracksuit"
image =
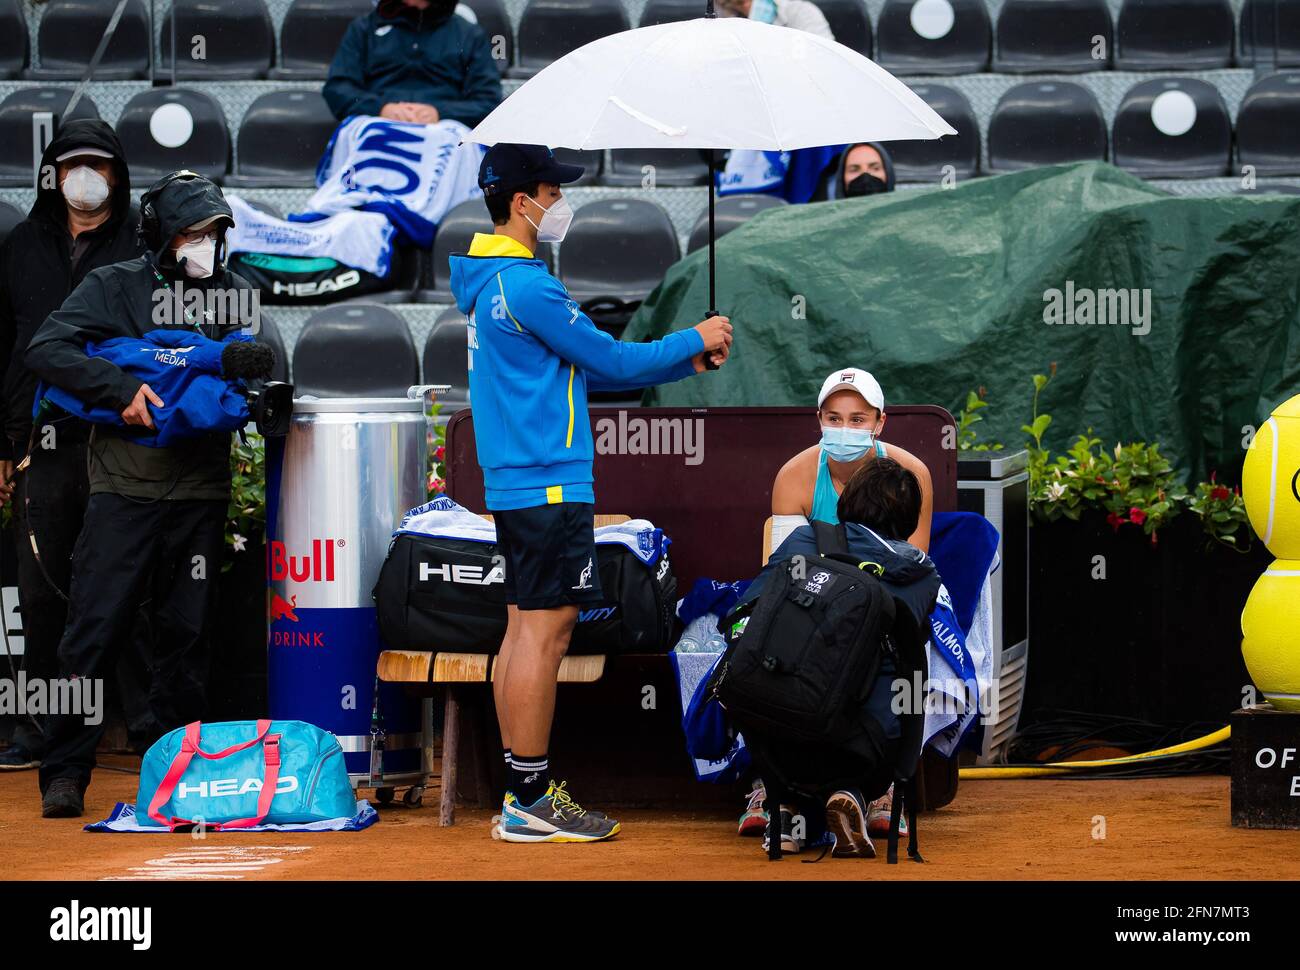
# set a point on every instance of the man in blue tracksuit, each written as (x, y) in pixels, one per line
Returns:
(533, 356)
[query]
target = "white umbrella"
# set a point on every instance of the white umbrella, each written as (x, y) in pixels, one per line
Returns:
(710, 83)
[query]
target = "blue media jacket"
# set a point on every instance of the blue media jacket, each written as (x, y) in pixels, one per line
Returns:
(183, 368)
(533, 356)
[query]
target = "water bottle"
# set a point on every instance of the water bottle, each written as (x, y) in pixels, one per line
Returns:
(695, 636)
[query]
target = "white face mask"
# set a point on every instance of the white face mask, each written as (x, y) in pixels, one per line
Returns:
(555, 220)
(200, 257)
(85, 189)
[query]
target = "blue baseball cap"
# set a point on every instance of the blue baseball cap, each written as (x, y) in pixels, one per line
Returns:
(507, 166)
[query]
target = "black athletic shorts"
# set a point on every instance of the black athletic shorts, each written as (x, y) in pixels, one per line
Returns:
(550, 555)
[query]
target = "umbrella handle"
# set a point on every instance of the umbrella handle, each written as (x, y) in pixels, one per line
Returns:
(713, 169)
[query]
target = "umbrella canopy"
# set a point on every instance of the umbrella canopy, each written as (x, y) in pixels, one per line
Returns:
(711, 83)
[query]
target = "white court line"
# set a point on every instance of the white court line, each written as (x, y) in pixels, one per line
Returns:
(210, 862)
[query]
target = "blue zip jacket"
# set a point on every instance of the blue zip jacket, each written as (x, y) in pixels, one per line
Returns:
(183, 368)
(533, 356)
(446, 63)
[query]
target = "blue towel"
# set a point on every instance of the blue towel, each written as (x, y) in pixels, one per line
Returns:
(122, 819)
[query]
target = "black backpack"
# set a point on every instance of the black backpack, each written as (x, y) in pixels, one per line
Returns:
(801, 661)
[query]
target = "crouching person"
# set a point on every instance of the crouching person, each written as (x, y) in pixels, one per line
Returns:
(156, 514)
(879, 507)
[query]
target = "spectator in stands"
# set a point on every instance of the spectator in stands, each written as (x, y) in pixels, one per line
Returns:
(851, 411)
(881, 503)
(798, 14)
(155, 521)
(416, 61)
(81, 220)
(864, 169)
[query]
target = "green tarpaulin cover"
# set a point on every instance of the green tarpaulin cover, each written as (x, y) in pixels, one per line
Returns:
(938, 292)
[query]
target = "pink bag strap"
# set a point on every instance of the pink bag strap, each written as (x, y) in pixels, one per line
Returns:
(190, 747)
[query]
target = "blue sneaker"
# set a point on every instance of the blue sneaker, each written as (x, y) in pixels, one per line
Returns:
(555, 817)
(17, 758)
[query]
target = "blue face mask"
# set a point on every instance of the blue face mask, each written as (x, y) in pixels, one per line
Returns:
(847, 444)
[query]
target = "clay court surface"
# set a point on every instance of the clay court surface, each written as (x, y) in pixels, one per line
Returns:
(1040, 829)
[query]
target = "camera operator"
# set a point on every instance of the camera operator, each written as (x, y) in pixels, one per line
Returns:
(156, 515)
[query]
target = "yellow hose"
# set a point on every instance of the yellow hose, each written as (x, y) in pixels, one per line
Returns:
(1053, 768)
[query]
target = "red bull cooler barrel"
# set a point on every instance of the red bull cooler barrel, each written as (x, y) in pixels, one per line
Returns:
(337, 486)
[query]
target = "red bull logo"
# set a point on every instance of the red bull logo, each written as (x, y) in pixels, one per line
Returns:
(316, 566)
(282, 609)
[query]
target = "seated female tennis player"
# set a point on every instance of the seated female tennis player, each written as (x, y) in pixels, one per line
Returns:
(851, 412)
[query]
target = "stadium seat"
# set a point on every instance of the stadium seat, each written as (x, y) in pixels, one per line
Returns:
(849, 23)
(617, 248)
(1173, 35)
(269, 334)
(1053, 37)
(230, 40)
(165, 129)
(668, 167)
(446, 360)
(10, 216)
(658, 12)
(70, 30)
(1268, 125)
(355, 350)
(281, 139)
(454, 234)
(1045, 123)
(549, 29)
(492, 17)
(261, 205)
(731, 212)
(16, 155)
(1278, 38)
(13, 39)
(592, 162)
(933, 37)
(925, 161)
(1173, 128)
(310, 36)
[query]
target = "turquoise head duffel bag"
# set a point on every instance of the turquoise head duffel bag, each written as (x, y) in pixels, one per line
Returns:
(237, 774)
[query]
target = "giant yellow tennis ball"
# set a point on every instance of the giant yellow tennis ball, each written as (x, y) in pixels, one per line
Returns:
(1270, 629)
(1270, 481)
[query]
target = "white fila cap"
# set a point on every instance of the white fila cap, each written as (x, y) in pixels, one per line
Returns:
(853, 379)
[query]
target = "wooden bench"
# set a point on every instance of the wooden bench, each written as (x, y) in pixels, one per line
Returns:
(455, 673)
(421, 669)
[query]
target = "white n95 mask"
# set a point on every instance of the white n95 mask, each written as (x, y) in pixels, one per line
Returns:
(200, 257)
(555, 220)
(85, 189)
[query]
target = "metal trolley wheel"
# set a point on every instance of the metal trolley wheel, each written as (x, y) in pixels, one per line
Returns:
(413, 797)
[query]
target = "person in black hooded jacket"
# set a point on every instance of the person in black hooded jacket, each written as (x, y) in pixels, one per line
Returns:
(82, 219)
(156, 516)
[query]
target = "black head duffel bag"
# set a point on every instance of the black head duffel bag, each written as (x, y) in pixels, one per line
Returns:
(445, 594)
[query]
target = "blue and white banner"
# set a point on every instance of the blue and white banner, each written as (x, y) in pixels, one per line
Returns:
(361, 240)
(794, 176)
(413, 174)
